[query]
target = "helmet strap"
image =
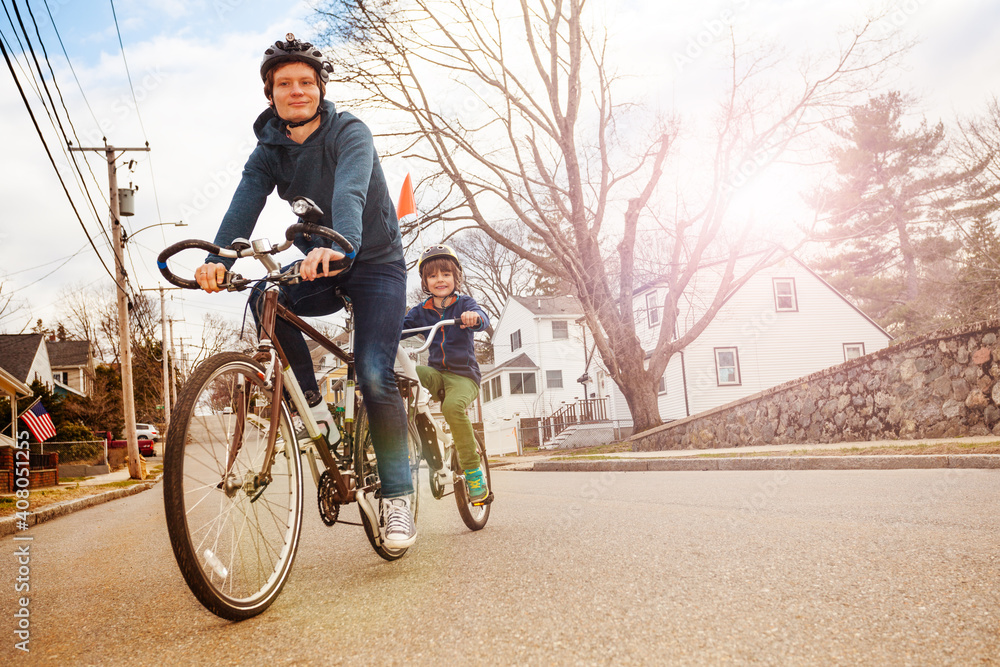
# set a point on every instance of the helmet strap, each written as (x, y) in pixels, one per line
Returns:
(300, 123)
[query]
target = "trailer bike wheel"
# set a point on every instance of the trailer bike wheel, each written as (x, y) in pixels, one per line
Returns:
(475, 516)
(233, 534)
(366, 469)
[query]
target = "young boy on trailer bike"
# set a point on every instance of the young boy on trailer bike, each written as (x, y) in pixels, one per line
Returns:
(306, 148)
(453, 368)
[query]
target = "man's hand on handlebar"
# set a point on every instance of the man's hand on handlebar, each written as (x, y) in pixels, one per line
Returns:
(210, 275)
(469, 319)
(317, 263)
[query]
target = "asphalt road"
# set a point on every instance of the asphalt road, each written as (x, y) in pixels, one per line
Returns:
(807, 568)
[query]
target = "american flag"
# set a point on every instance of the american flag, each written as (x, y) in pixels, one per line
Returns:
(39, 422)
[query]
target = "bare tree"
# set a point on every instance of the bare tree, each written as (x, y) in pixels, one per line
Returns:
(513, 107)
(9, 307)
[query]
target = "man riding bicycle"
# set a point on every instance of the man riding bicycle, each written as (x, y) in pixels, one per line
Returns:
(306, 148)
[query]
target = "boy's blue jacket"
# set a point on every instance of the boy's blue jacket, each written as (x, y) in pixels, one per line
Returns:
(452, 349)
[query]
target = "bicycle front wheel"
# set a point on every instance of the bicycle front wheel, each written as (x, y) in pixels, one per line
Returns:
(474, 516)
(234, 536)
(366, 468)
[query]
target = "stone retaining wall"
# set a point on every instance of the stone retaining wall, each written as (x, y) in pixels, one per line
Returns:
(941, 385)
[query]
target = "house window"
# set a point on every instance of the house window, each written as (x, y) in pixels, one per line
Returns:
(515, 340)
(61, 376)
(486, 392)
(495, 387)
(522, 383)
(784, 295)
(652, 310)
(553, 379)
(727, 365)
(853, 351)
(661, 387)
(560, 330)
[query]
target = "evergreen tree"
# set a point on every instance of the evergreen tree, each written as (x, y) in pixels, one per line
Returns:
(976, 293)
(889, 210)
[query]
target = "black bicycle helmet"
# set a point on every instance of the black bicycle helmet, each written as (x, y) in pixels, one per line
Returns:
(293, 50)
(437, 251)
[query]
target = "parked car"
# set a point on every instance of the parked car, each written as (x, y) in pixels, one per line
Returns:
(146, 446)
(147, 431)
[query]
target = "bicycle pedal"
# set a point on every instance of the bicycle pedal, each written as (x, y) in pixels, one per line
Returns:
(485, 501)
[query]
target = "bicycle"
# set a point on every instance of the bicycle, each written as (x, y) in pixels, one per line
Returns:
(437, 445)
(232, 468)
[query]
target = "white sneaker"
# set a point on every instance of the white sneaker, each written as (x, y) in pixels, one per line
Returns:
(399, 531)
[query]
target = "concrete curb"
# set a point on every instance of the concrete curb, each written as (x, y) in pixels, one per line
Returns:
(897, 462)
(8, 525)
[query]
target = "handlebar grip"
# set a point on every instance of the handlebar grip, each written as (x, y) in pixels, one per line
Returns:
(327, 233)
(170, 251)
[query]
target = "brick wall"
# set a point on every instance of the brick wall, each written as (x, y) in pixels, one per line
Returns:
(946, 384)
(43, 470)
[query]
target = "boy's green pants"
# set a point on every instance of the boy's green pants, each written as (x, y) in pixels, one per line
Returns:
(459, 393)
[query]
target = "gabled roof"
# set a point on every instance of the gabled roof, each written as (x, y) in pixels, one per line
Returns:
(520, 361)
(765, 255)
(17, 352)
(567, 306)
(68, 352)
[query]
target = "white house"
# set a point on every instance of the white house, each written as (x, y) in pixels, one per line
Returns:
(540, 352)
(785, 322)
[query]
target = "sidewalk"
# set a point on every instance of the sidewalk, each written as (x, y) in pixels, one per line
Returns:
(10, 524)
(766, 457)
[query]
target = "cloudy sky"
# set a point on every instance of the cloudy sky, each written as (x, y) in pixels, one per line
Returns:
(195, 92)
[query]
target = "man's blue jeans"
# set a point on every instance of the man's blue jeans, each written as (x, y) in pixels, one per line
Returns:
(378, 297)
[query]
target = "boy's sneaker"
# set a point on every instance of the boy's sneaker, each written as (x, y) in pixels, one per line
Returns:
(399, 531)
(475, 484)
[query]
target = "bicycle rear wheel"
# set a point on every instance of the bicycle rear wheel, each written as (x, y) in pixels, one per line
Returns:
(366, 468)
(474, 516)
(234, 539)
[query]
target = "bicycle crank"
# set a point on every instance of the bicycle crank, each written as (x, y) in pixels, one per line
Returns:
(326, 492)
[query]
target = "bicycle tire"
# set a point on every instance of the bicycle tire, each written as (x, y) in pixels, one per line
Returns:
(234, 544)
(366, 468)
(474, 516)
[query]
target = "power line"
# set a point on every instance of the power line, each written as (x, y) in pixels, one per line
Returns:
(62, 100)
(152, 177)
(71, 69)
(34, 121)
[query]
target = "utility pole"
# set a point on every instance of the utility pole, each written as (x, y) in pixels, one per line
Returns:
(167, 357)
(125, 340)
(173, 385)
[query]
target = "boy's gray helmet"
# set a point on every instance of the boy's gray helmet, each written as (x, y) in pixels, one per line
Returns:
(292, 50)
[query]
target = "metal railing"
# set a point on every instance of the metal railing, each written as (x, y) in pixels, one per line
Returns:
(583, 411)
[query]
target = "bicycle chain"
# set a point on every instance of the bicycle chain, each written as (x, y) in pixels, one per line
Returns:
(329, 509)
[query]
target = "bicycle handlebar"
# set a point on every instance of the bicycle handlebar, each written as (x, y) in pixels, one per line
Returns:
(304, 208)
(432, 331)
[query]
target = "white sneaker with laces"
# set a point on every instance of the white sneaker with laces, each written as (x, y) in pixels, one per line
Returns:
(398, 529)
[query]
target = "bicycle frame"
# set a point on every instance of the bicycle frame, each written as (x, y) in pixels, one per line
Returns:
(345, 484)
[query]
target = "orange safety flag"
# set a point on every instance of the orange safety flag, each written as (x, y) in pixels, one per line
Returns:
(406, 204)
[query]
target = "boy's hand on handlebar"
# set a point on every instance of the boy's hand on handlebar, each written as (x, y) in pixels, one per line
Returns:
(210, 275)
(317, 263)
(469, 319)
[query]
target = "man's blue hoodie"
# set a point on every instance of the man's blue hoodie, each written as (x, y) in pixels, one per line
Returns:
(453, 349)
(337, 167)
